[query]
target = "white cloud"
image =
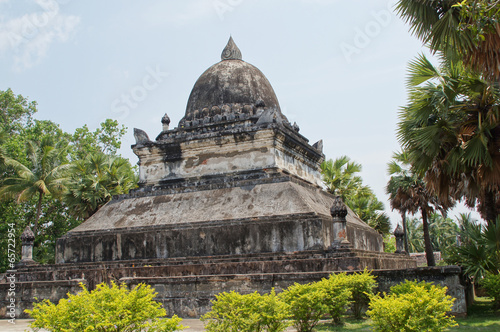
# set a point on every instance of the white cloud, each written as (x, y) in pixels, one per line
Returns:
(28, 37)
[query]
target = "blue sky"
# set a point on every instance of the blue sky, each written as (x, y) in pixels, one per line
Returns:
(337, 67)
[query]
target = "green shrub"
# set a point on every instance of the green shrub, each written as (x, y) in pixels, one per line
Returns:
(362, 286)
(409, 286)
(491, 284)
(337, 295)
(105, 309)
(251, 312)
(232, 312)
(273, 312)
(306, 305)
(412, 307)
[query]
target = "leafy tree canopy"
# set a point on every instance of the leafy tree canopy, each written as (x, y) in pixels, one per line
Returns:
(340, 177)
(37, 172)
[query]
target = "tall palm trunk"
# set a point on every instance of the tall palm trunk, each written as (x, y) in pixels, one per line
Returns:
(491, 213)
(38, 213)
(405, 231)
(429, 252)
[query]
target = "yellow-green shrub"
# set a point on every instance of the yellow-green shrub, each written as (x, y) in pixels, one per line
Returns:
(337, 295)
(105, 309)
(307, 305)
(274, 312)
(362, 286)
(412, 307)
(250, 312)
(491, 284)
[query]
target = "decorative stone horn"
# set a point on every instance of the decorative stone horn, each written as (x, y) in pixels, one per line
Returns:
(338, 212)
(399, 234)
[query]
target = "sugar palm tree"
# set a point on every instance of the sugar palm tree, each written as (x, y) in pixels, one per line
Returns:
(469, 30)
(450, 129)
(46, 175)
(94, 180)
(400, 177)
(409, 193)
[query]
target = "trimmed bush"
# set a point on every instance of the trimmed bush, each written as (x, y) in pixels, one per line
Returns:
(306, 305)
(274, 313)
(412, 306)
(232, 312)
(106, 308)
(362, 286)
(337, 295)
(491, 284)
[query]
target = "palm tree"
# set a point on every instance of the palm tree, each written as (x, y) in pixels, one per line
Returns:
(415, 235)
(371, 210)
(340, 177)
(450, 129)
(46, 175)
(478, 248)
(408, 193)
(397, 197)
(466, 29)
(94, 180)
(443, 232)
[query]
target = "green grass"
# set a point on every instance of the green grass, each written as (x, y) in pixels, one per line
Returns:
(481, 317)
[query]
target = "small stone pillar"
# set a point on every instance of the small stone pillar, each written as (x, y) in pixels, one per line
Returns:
(165, 121)
(27, 240)
(399, 234)
(338, 212)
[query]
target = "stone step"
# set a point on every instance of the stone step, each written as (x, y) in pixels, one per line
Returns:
(313, 261)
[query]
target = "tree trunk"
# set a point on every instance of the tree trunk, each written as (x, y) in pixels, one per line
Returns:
(429, 252)
(38, 213)
(490, 207)
(403, 217)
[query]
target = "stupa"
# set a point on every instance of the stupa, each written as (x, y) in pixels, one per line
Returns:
(230, 199)
(234, 178)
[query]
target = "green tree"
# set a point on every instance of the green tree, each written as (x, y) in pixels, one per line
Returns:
(105, 139)
(46, 177)
(415, 235)
(401, 177)
(15, 111)
(465, 29)
(478, 250)
(340, 177)
(450, 129)
(413, 196)
(18, 128)
(443, 232)
(94, 180)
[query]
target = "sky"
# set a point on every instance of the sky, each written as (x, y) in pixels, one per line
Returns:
(338, 67)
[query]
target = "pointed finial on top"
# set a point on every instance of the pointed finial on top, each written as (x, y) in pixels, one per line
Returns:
(231, 51)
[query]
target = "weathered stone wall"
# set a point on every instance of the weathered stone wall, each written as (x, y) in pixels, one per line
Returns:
(228, 151)
(190, 295)
(26, 292)
(282, 216)
(235, 237)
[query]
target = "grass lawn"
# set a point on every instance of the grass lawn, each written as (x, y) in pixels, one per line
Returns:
(481, 317)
